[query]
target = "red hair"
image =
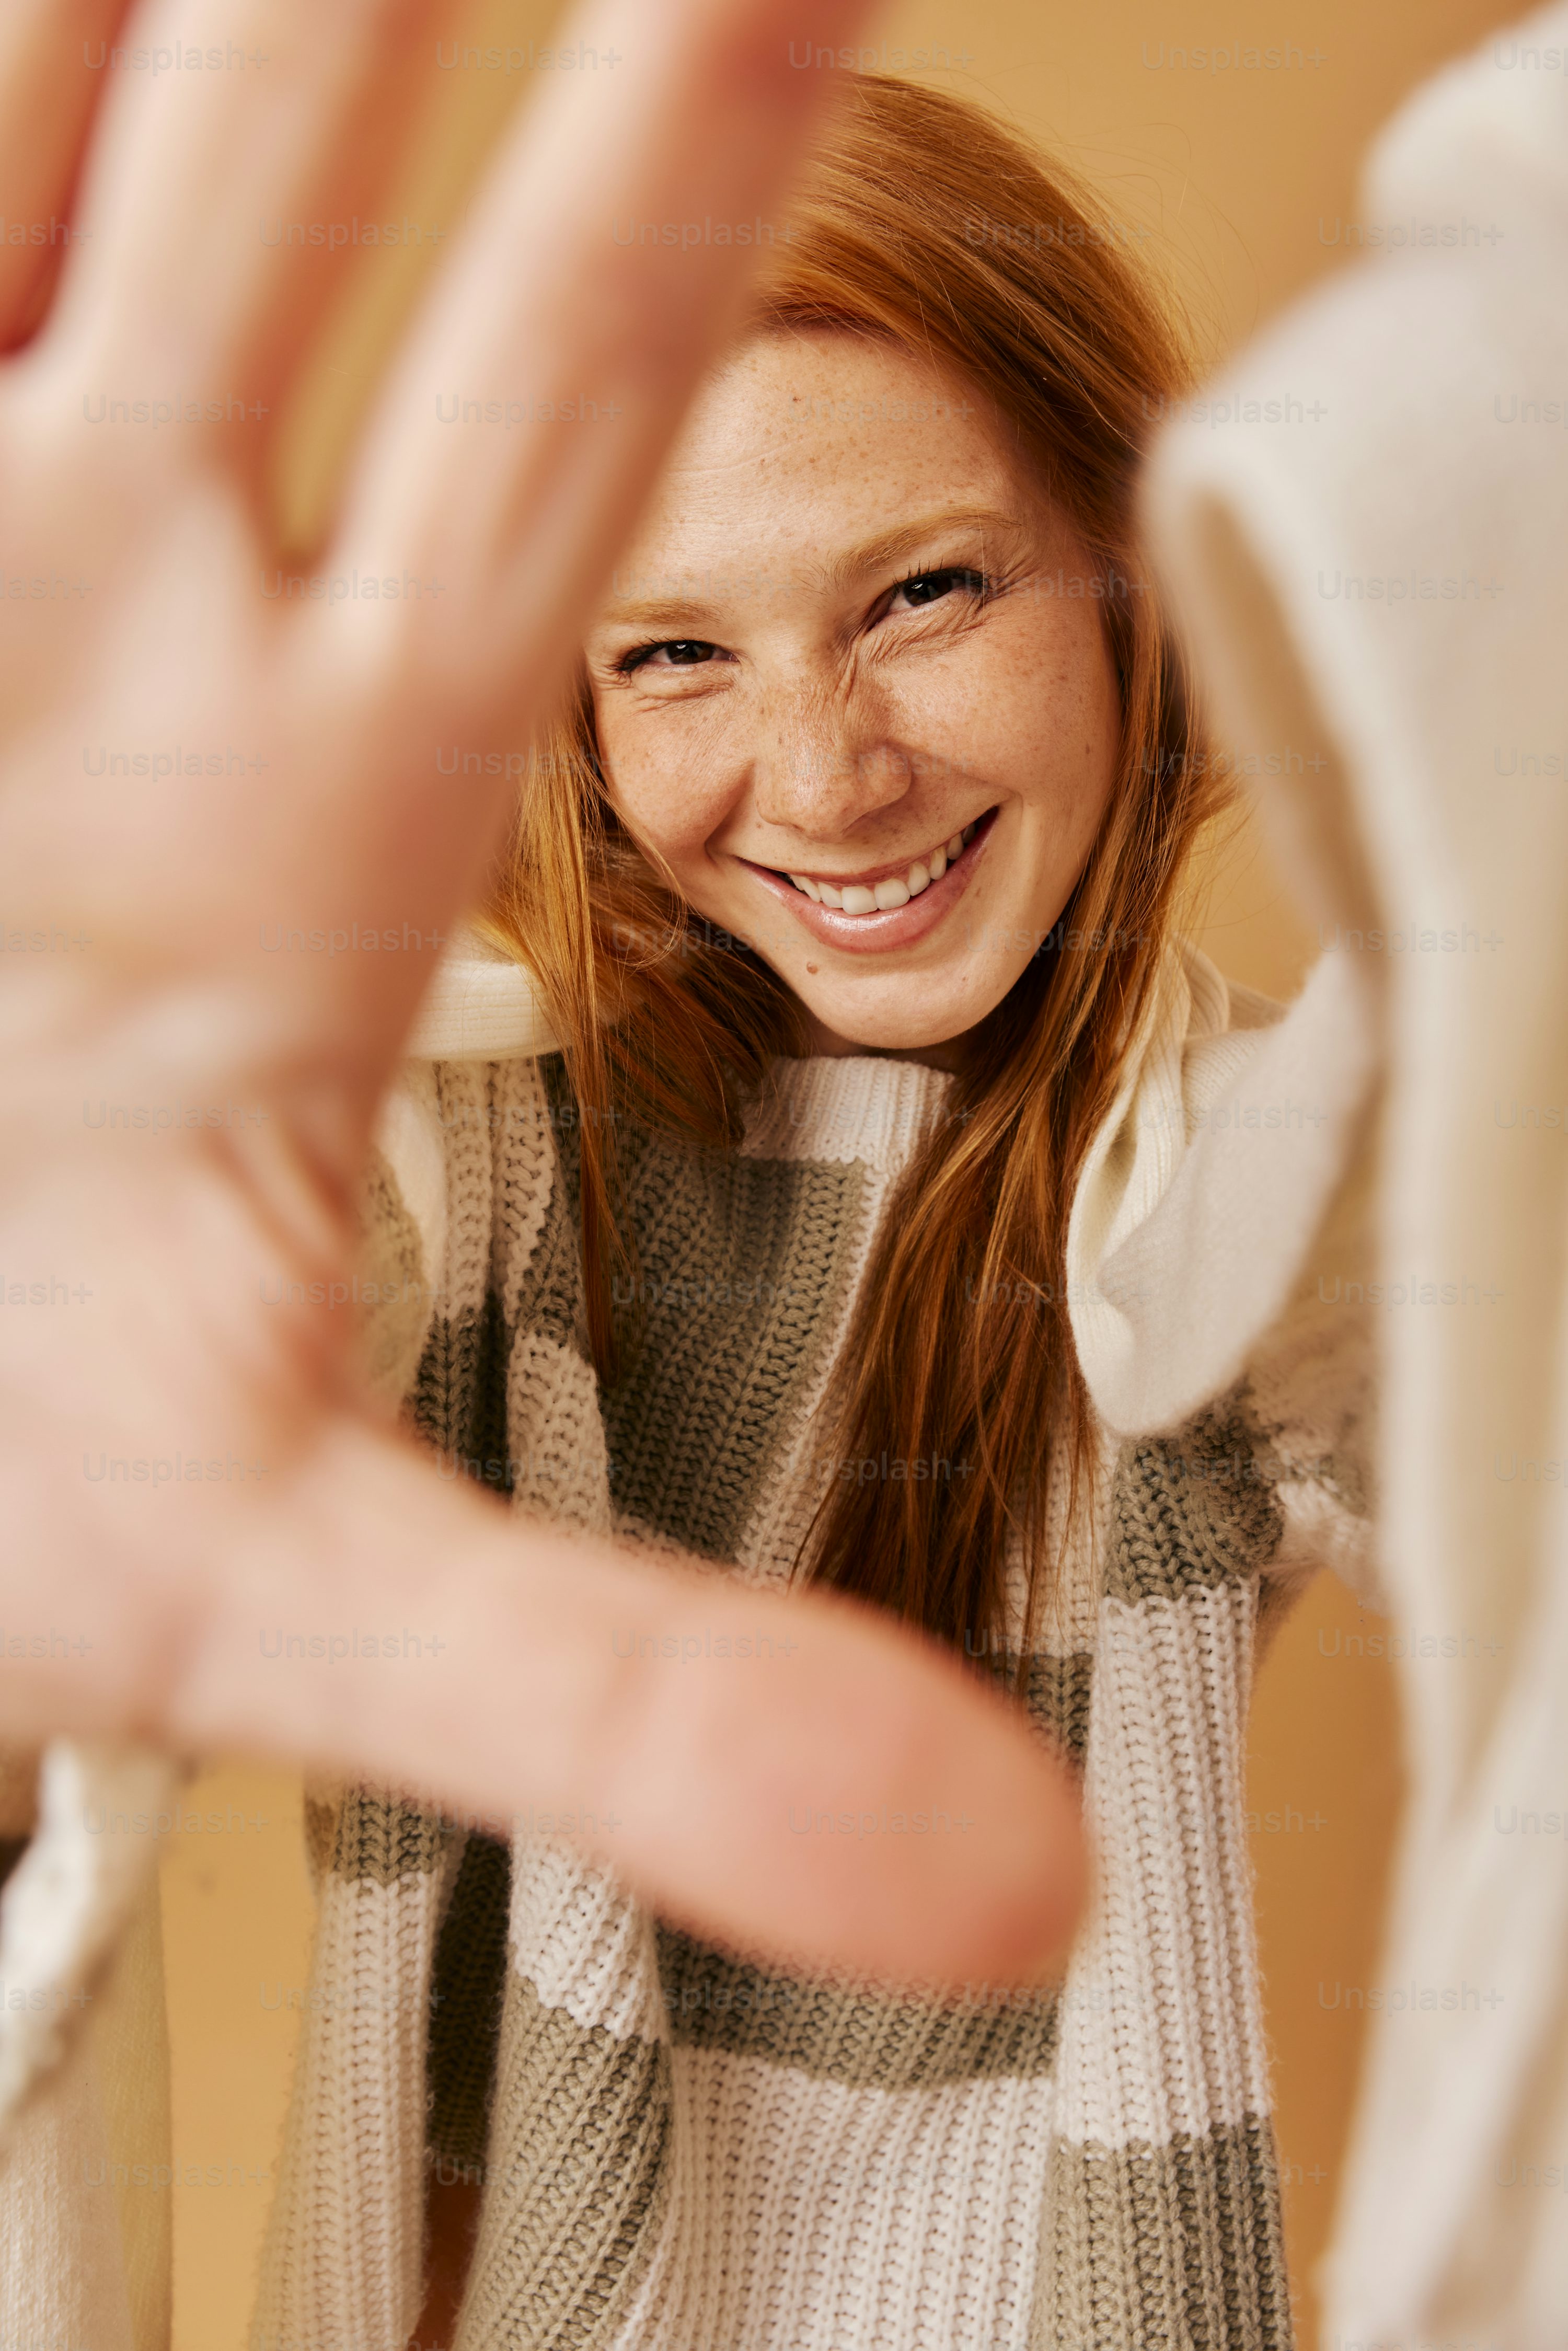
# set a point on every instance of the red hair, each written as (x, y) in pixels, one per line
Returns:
(961, 1347)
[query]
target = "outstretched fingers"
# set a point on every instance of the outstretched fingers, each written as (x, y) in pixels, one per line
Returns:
(55, 62)
(226, 195)
(549, 368)
(511, 447)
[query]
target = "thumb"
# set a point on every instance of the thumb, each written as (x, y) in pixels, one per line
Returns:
(790, 1772)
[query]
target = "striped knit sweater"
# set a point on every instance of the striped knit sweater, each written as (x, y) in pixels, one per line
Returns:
(680, 2150)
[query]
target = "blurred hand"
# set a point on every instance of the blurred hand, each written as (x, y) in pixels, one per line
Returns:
(146, 965)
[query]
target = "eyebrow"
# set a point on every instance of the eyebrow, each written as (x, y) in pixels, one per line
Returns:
(882, 553)
(891, 547)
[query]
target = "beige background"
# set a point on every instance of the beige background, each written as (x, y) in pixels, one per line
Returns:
(1240, 178)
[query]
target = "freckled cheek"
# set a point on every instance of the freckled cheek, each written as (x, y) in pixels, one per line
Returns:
(950, 720)
(988, 723)
(664, 794)
(1057, 721)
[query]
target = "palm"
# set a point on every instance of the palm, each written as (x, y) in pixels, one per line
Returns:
(164, 988)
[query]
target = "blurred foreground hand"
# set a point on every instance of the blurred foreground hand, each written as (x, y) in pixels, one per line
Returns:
(140, 912)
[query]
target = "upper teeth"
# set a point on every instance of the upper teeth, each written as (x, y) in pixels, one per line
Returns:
(894, 890)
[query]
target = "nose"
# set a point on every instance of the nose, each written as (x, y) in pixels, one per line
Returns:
(824, 760)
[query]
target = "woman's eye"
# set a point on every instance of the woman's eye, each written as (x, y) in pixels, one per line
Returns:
(674, 652)
(930, 587)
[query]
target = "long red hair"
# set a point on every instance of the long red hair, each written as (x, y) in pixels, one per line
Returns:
(924, 223)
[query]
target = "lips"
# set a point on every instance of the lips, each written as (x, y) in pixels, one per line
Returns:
(860, 924)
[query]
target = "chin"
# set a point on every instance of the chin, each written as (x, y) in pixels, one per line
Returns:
(896, 1030)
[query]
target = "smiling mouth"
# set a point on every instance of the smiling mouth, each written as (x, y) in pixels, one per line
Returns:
(891, 888)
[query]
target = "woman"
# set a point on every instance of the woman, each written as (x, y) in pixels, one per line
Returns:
(848, 885)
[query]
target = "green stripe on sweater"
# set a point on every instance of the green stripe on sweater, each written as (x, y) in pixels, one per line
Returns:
(1191, 1509)
(575, 2184)
(861, 2037)
(1179, 2246)
(745, 1268)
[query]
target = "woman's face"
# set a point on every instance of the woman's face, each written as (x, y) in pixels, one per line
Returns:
(851, 686)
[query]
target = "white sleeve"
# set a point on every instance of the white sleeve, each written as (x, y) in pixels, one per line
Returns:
(1209, 1185)
(1312, 1392)
(84, 2088)
(1386, 585)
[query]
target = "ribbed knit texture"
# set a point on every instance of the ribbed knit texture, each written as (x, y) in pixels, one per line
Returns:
(682, 2150)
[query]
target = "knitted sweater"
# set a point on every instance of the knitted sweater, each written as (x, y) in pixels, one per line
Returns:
(682, 2149)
